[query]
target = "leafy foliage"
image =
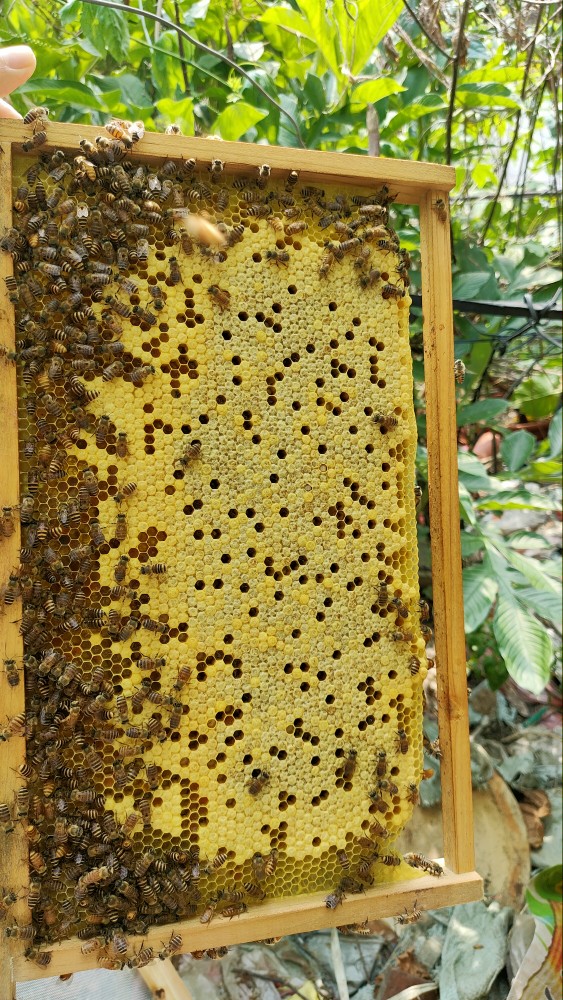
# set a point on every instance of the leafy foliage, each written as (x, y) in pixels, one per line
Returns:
(474, 85)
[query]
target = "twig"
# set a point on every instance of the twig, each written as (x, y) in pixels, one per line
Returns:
(420, 55)
(372, 124)
(181, 48)
(204, 48)
(339, 973)
(508, 157)
(424, 31)
(453, 88)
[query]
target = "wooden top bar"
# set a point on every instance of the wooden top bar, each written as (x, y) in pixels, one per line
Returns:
(411, 180)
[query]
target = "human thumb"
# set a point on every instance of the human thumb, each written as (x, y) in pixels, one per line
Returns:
(17, 63)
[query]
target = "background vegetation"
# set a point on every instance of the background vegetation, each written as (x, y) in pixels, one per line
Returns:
(475, 84)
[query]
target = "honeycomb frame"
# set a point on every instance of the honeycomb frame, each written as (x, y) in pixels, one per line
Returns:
(428, 186)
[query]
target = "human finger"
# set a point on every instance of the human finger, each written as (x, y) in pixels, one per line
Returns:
(17, 63)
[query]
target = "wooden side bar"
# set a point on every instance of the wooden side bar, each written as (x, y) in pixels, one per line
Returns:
(277, 918)
(410, 180)
(14, 873)
(447, 588)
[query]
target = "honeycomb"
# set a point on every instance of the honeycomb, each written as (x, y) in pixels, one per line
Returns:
(224, 652)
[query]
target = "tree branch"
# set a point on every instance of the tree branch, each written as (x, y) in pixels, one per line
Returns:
(204, 48)
(424, 31)
(515, 133)
(453, 88)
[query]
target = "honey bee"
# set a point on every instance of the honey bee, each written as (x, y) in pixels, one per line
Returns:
(96, 534)
(256, 783)
(150, 663)
(381, 766)
(155, 569)
(216, 168)
(174, 944)
(25, 933)
(296, 227)
(189, 454)
(410, 918)
(210, 910)
(174, 273)
(370, 279)
(125, 492)
(439, 207)
(37, 862)
(173, 130)
(414, 665)
(142, 958)
(459, 371)
(390, 860)
(386, 421)
(121, 569)
(425, 864)
(275, 223)
(12, 672)
(38, 139)
(37, 116)
(377, 800)
(221, 296)
(278, 257)
(84, 169)
(184, 674)
(7, 899)
(271, 862)
(6, 818)
(343, 860)
(350, 763)
(92, 945)
(413, 794)
(401, 742)
(373, 212)
(139, 375)
(235, 910)
(335, 898)
(417, 494)
(390, 291)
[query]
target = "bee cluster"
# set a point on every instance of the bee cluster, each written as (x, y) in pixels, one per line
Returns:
(224, 653)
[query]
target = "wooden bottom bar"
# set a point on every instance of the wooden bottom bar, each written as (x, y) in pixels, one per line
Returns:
(277, 919)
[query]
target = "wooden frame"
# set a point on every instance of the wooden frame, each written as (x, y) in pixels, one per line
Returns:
(423, 184)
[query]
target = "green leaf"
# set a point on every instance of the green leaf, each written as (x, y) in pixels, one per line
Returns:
(484, 409)
(554, 435)
(107, 29)
(70, 11)
(538, 396)
(515, 500)
(429, 104)
(372, 91)
(483, 174)
(473, 475)
(544, 470)
(236, 119)
(479, 593)
(466, 506)
(64, 92)
(468, 286)
(547, 606)
(197, 12)
(166, 69)
(471, 99)
(360, 34)
(181, 112)
(533, 571)
(471, 544)
(324, 33)
(523, 643)
(507, 74)
(516, 449)
(315, 92)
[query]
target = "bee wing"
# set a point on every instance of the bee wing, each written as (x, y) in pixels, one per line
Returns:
(198, 228)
